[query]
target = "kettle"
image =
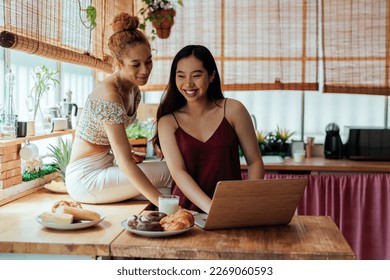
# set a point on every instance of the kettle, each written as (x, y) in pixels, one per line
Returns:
(333, 147)
(66, 109)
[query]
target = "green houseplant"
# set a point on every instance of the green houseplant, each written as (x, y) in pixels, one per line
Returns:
(137, 130)
(61, 155)
(274, 142)
(138, 135)
(44, 79)
(161, 14)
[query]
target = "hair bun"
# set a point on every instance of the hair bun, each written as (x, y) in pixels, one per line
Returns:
(124, 21)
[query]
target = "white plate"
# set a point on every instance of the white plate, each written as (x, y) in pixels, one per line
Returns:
(52, 188)
(73, 226)
(153, 233)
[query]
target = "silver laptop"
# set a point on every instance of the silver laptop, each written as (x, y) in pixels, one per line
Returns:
(246, 203)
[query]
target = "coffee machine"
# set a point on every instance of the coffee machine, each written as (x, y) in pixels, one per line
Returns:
(66, 110)
(333, 147)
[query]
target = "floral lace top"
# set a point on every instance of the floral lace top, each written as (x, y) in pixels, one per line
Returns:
(97, 112)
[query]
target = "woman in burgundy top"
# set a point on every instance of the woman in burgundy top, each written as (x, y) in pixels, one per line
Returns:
(199, 130)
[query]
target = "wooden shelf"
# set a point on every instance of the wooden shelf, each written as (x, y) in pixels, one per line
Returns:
(21, 140)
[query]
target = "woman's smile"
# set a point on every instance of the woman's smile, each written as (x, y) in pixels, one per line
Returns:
(190, 92)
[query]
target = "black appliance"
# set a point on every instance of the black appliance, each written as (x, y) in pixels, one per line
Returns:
(333, 147)
(368, 143)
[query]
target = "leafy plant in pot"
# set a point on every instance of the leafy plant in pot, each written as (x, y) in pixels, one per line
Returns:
(161, 14)
(138, 134)
(274, 142)
(44, 79)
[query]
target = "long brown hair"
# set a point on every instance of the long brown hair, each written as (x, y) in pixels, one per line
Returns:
(172, 99)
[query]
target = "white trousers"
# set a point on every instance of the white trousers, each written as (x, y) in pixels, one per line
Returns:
(97, 179)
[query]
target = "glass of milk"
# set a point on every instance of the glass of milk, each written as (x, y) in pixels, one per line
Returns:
(168, 204)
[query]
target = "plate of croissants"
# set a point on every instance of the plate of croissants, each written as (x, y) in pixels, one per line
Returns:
(158, 224)
(69, 215)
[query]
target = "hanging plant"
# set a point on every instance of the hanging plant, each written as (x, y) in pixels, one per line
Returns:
(90, 16)
(161, 14)
(88, 20)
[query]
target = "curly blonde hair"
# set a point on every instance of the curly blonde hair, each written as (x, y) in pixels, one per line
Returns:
(126, 33)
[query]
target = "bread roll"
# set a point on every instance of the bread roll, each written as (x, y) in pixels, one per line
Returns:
(65, 203)
(79, 213)
(57, 218)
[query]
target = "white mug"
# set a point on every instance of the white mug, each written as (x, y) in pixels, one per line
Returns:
(29, 151)
(299, 155)
(58, 124)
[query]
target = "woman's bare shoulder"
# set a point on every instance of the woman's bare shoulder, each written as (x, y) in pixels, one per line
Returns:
(234, 106)
(168, 122)
(106, 90)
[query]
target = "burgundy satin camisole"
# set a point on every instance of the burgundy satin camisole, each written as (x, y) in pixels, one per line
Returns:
(209, 162)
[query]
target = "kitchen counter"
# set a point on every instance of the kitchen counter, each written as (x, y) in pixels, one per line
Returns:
(320, 164)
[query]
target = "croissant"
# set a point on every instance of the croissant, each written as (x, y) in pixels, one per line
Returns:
(182, 219)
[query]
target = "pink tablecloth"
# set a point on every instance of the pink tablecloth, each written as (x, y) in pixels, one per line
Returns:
(359, 205)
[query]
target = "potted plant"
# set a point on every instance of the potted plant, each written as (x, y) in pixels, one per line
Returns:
(283, 134)
(138, 135)
(275, 142)
(44, 79)
(161, 14)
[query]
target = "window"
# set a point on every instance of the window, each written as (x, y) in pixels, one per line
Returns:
(78, 79)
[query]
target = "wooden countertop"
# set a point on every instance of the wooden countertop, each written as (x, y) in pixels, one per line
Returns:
(21, 233)
(306, 237)
(327, 165)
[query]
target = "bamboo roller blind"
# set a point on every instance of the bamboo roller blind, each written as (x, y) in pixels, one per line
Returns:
(258, 45)
(54, 29)
(356, 46)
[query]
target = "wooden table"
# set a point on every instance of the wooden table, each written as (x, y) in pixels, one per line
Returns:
(21, 233)
(306, 237)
